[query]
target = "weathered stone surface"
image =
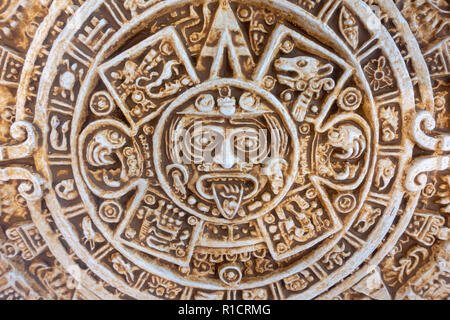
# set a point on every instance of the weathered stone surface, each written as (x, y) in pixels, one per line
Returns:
(224, 149)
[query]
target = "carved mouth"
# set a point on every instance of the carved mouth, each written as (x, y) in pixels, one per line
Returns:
(286, 80)
(228, 191)
(286, 76)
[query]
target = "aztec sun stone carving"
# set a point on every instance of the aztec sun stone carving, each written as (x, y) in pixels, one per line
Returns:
(230, 165)
(222, 149)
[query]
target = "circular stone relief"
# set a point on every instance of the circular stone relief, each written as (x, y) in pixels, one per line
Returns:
(222, 149)
(221, 146)
(235, 158)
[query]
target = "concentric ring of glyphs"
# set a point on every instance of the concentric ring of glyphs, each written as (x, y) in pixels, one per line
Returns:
(404, 105)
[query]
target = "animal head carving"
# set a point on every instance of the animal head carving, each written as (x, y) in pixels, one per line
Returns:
(301, 73)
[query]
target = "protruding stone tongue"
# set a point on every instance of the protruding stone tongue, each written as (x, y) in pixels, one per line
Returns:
(228, 197)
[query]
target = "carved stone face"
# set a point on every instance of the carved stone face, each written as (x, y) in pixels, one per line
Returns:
(225, 147)
(225, 169)
(228, 156)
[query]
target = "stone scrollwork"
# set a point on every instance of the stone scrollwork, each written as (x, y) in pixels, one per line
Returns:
(423, 123)
(30, 188)
(224, 149)
(20, 131)
(416, 178)
(26, 134)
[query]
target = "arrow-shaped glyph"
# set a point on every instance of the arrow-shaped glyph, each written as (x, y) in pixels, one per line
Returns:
(225, 33)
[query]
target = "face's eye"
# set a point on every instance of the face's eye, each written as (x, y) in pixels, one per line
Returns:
(302, 63)
(247, 141)
(205, 140)
(334, 134)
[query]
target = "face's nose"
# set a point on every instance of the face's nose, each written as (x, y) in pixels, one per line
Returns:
(225, 157)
